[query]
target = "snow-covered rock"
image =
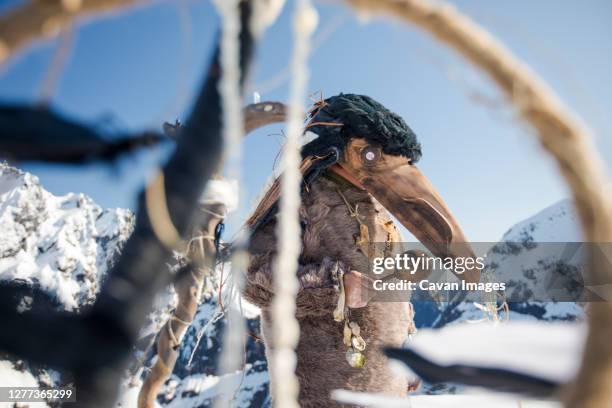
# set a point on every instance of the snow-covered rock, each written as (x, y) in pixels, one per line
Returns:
(61, 245)
(539, 262)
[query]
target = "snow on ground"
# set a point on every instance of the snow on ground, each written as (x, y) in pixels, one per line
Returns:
(546, 350)
(12, 376)
(440, 401)
(201, 390)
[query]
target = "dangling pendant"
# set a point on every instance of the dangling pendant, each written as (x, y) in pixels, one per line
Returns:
(347, 335)
(355, 343)
(355, 358)
(339, 312)
(358, 343)
(351, 333)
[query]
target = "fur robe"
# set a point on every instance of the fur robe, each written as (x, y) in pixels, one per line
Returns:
(329, 241)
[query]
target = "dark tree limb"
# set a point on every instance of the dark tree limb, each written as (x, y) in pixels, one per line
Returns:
(495, 379)
(36, 133)
(30, 133)
(95, 346)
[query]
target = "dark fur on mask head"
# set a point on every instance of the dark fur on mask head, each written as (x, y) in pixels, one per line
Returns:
(359, 116)
(363, 117)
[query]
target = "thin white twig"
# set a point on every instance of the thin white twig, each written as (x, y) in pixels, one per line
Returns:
(218, 315)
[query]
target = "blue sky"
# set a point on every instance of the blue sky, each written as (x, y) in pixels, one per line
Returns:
(139, 68)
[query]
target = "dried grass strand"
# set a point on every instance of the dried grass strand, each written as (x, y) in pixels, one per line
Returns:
(36, 20)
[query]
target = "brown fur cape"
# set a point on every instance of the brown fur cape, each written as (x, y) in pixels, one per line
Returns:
(329, 241)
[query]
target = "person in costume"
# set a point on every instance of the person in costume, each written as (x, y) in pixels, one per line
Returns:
(357, 170)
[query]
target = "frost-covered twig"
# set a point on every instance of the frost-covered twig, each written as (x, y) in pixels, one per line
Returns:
(216, 317)
(286, 328)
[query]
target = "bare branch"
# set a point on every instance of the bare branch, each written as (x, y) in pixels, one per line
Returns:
(38, 134)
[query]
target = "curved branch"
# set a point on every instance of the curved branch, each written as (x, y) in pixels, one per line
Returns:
(559, 132)
(255, 115)
(562, 135)
(37, 19)
(260, 114)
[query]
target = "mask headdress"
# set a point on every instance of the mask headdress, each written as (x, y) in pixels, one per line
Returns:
(341, 118)
(335, 121)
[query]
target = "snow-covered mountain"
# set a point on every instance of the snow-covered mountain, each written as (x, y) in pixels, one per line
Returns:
(528, 257)
(557, 223)
(66, 245)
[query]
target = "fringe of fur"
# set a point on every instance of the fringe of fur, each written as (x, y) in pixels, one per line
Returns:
(316, 297)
